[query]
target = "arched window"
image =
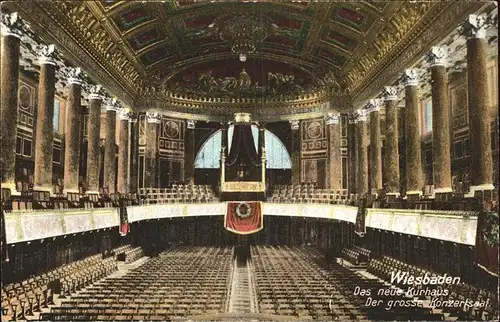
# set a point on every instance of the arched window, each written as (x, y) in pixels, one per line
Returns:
(277, 156)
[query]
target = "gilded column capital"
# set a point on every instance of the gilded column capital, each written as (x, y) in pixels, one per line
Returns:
(74, 75)
(411, 77)
(46, 54)
(353, 118)
(475, 26)
(361, 115)
(96, 92)
(191, 124)
(374, 105)
(12, 25)
(112, 104)
(437, 56)
(294, 125)
(153, 117)
(123, 114)
(332, 118)
(390, 93)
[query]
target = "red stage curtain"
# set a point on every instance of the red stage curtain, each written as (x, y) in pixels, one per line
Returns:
(244, 217)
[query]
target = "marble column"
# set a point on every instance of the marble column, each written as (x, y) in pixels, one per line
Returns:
(334, 168)
(391, 157)
(351, 132)
(72, 130)
(362, 156)
(123, 148)
(93, 139)
(153, 121)
(414, 177)
(261, 151)
(295, 127)
(110, 146)
(189, 152)
(224, 139)
(44, 121)
(12, 31)
(375, 147)
(441, 159)
(479, 103)
(261, 143)
(224, 151)
(134, 154)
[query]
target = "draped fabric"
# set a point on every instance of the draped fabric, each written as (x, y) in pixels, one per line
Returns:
(487, 242)
(360, 226)
(244, 217)
(243, 147)
(124, 225)
(208, 157)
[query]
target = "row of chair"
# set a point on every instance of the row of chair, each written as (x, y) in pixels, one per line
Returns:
(133, 254)
(299, 194)
(39, 200)
(185, 281)
(356, 255)
(178, 194)
(297, 282)
(24, 298)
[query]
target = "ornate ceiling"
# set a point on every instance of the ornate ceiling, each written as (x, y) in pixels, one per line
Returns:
(164, 38)
(138, 43)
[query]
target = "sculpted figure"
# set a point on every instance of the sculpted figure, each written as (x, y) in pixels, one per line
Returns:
(245, 80)
(228, 84)
(206, 82)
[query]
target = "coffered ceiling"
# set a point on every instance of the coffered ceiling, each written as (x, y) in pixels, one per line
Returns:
(317, 37)
(138, 42)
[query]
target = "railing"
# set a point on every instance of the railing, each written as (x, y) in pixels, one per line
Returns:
(38, 224)
(482, 200)
(315, 196)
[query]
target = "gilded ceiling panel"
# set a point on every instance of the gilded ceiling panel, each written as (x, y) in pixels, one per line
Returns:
(351, 42)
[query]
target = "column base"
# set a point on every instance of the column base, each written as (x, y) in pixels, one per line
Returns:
(12, 187)
(481, 187)
(71, 191)
(50, 190)
(443, 190)
(89, 192)
(395, 194)
(44, 188)
(413, 193)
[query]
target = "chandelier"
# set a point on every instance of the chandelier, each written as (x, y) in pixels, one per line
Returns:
(244, 33)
